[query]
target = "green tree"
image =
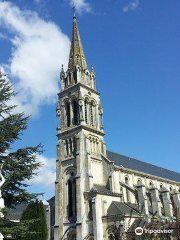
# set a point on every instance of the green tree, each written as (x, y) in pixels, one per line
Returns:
(21, 165)
(17, 230)
(18, 166)
(38, 229)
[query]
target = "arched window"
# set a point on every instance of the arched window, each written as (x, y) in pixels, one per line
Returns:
(127, 191)
(71, 195)
(92, 113)
(75, 75)
(65, 83)
(90, 215)
(68, 114)
(72, 235)
(67, 147)
(113, 233)
(75, 112)
(70, 145)
(111, 236)
(69, 76)
(74, 144)
(86, 113)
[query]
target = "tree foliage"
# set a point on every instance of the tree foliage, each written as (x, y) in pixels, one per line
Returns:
(16, 230)
(21, 165)
(38, 229)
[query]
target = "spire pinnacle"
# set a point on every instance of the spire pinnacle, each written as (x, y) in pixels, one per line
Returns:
(77, 56)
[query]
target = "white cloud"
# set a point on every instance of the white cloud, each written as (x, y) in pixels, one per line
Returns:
(38, 49)
(45, 202)
(3, 36)
(81, 6)
(46, 176)
(131, 6)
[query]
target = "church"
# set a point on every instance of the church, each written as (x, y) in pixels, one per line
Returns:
(96, 189)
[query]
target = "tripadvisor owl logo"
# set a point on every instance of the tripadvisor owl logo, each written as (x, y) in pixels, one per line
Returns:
(139, 231)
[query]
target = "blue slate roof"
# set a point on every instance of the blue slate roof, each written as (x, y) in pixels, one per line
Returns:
(137, 165)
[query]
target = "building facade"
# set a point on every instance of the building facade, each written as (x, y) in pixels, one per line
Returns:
(96, 188)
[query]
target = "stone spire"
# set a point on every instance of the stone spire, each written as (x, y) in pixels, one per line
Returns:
(76, 56)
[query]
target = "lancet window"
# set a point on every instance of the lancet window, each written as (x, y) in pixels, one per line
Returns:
(69, 77)
(75, 75)
(68, 114)
(94, 145)
(90, 214)
(86, 110)
(71, 185)
(72, 236)
(127, 191)
(72, 112)
(65, 82)
(75, 112)
(92, 113)
(70, 146)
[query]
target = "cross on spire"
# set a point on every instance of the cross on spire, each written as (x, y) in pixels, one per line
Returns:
(74, 9)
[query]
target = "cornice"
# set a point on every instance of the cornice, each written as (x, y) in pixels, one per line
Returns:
(145, 175)
(77, 85)
(78, 128)
(96, 192)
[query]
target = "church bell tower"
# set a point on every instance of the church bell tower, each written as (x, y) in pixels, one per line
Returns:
(80, 142)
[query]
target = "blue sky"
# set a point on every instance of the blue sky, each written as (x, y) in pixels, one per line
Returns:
(134, 46)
